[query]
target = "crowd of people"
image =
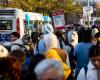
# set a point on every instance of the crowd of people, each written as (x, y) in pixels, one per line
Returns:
(52, 55)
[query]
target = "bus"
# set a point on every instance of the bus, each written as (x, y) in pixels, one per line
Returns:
(47, 19)
(32, 21)
(16, 20)
(11, 20)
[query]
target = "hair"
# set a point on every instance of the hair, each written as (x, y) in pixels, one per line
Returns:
(15, 34)
(87, 36)
(7, 66)
(97, 35)
(34, 61)
(34, 37)
(46, 64)
(26, 39)
(94, 51)
(20, 55)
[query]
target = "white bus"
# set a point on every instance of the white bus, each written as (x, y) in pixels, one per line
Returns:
(33, 21)
(11, 20)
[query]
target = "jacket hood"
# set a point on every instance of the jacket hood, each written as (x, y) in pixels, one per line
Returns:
(94, 31)
(72, 38)
(3, 51)
(47, 28)
(52, 54)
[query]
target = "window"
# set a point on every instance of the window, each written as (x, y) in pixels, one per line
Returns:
(7, 12)
(5, 25)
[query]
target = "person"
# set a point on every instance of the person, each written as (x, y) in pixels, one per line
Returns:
(3, 52)
(34, 37)
(81, 34)
(34, 62)
(52, 54)
(49, 40)
(10, 68)
(63, 55)
(81, 51)
(72, 42)
(15, 40)
(97, 36)
(93, 67)
(20, 55)
(49, 70)
(94, 31)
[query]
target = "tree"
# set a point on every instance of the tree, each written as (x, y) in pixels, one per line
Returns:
(46, 6)
(51, 5)
(26, 5)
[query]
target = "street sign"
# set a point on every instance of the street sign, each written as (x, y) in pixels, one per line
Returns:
(58, 19)
(88, 9)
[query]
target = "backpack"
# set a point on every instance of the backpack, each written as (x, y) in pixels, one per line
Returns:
(22, 47)
(72, 57)
(60, 43)
(85, 69)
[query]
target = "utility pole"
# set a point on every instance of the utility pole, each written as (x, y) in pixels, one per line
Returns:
(88, 14)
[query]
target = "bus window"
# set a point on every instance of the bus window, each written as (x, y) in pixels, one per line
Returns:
(5, 25)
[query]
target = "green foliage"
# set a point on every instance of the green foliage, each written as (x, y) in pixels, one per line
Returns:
(46, 6)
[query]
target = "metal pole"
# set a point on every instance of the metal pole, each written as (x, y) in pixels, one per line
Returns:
(88, 14)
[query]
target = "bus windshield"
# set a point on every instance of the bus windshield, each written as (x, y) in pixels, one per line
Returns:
(5, 24)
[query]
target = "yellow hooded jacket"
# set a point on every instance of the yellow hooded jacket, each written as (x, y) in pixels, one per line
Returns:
(52, 54)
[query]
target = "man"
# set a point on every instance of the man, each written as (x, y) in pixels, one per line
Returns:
(15, 42)
(49, 70)
(81, 51)
(15, 38)
(49, 40)
(92, 70)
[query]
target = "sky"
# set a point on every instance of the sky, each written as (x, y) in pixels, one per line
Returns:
(90, 0)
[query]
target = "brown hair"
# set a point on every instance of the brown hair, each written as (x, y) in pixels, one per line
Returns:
(10, 68)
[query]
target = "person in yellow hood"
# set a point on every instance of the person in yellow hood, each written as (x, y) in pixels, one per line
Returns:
(52, 54)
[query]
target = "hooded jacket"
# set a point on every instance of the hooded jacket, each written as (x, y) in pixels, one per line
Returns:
(48, 40)
(52, 54)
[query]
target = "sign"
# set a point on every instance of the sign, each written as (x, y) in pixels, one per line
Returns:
(58, 19)
(4, 37)
(88, 9)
